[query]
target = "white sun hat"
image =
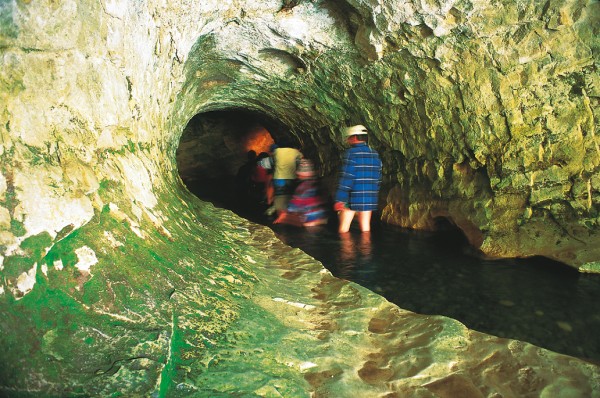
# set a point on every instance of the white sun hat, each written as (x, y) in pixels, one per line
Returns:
(354, 130)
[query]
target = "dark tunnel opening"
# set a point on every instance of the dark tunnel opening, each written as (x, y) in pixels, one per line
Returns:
(214, 146)
(213, 154)
(445, 226)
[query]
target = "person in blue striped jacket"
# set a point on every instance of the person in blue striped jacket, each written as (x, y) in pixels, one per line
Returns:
(360, 178)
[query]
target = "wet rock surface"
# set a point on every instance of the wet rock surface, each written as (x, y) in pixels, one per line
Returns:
(116, 279)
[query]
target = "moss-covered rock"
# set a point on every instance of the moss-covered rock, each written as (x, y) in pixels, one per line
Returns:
(116, 281)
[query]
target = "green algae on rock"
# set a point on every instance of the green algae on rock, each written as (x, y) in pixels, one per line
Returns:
(116, 281)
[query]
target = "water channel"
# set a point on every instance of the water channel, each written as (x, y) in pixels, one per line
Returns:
(536, 300)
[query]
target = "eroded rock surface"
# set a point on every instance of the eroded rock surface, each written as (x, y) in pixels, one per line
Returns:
(116, 280)
(485, 113)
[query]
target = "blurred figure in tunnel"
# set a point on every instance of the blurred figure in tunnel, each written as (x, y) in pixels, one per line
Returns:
(261, 177)
(243, 178)
(285, 161)
(306, 207)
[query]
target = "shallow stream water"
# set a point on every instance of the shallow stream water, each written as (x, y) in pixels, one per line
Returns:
(536, 300)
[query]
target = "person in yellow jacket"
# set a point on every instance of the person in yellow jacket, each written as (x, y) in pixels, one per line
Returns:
(285, 162)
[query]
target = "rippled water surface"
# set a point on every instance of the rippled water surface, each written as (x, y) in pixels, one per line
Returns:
(534, 300)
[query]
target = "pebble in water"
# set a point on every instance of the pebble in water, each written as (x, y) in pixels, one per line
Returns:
(565, 326)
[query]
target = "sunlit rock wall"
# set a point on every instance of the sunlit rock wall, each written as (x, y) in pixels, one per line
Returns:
(115, 280)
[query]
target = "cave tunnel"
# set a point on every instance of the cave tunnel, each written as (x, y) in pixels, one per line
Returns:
(214, 145)
(115, 279)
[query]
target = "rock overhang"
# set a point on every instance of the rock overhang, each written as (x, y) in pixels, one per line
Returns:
(93, 119)
(453, 108)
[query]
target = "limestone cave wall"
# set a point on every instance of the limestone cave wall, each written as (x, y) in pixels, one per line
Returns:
(116, 279)
(485, 114)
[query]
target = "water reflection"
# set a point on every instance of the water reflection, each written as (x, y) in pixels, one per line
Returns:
(354, 255)
(534, 300)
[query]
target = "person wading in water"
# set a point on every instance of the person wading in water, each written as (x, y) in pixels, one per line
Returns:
(359, 182)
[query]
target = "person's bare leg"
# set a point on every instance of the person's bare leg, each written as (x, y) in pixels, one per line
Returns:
(281, 217)
(345, 216)
(269, 190)
(364, 220)
(320, 221)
